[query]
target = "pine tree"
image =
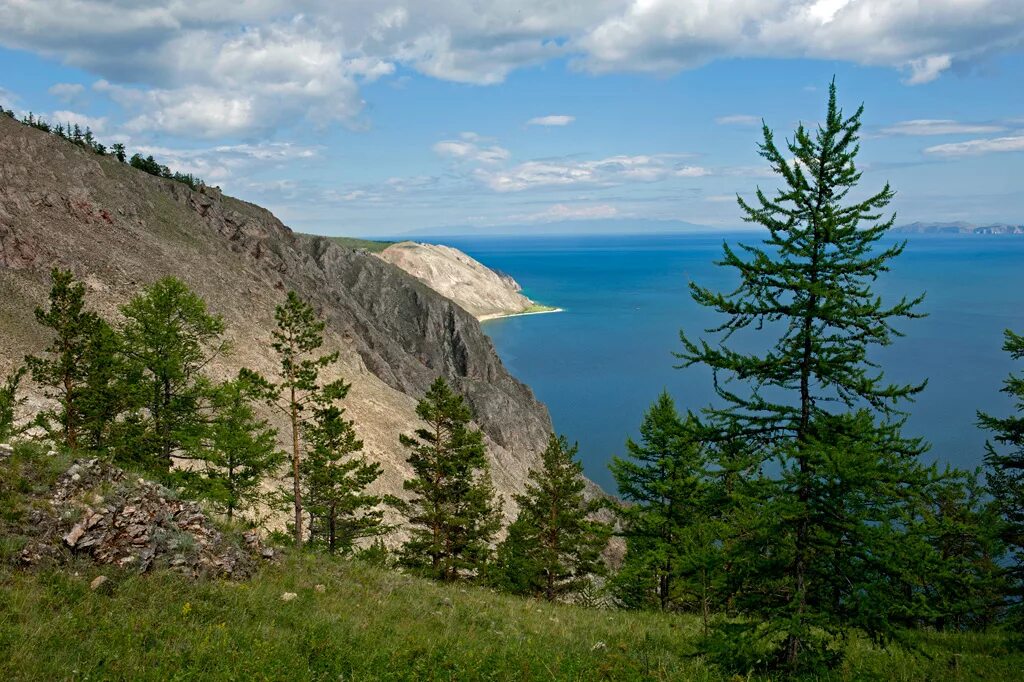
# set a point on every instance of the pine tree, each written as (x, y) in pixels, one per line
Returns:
(809, 287)
(453, 513)
(169, 338)
(665, 481)
(564, 543)
(237, 451)
(515, 568)
(1004, 463)
(335, 480)
(62, 372)
(105, 390)
(119, 151)
(297, 338)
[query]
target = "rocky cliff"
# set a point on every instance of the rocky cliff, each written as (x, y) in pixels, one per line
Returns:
(118, 229)
(483, 292)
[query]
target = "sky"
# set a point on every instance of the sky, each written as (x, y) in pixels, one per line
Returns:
(370, 118)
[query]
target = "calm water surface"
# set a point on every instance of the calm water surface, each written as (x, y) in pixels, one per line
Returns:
(600, 364)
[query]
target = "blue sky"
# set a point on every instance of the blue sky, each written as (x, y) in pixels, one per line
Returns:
(384, 117)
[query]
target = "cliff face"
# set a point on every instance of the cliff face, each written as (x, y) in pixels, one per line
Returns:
(474, 286)
(120, 229)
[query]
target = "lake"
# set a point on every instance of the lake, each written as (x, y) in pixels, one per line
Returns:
(599, 364)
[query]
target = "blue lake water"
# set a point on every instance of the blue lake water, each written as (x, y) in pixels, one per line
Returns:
(600, 364)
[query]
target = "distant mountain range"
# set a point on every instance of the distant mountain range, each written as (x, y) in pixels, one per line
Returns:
(959, 227)
(605, 226)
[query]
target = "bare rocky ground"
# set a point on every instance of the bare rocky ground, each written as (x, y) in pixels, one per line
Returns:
(119, 229)
(97, 511)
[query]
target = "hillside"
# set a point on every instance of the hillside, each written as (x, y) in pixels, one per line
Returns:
(71, 617)
(959, 227)
(119, 229)
(481, 291)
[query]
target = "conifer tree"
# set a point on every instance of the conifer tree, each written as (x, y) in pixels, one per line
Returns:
(169, 338)
(238, 450)
(62, 372)
(119, 151)
(1004, 462)
(563, 543)
(297, 338)
(335, 479)
(665, 481)
(453, 513)
(808, 287)
(515, 568)
(106, 391)
(9, 404)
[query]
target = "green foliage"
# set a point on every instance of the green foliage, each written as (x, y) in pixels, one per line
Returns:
(238, 450)
(9, 404)
(119, 151)
(1004, 462)
(557, 545)
(297, 338)
(668, 520)
(105, 392)
(452, 512)
(169, 338)
(335, 480)
(62, 372)
(823, 549)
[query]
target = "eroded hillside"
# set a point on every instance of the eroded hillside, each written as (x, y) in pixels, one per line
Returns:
(119, 229)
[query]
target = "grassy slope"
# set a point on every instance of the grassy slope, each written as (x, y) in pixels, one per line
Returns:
(368, 624)
(371, 245)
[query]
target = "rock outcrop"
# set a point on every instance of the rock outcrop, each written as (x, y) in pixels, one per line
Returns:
(119, 229)
(481, 291)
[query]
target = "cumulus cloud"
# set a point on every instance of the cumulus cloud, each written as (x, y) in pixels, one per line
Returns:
(97, 124)
(1011, 143)
(262, 63)
(556, 120)
(928, 126)
(223, 163)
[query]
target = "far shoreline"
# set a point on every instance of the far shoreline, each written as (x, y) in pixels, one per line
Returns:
(501, 316)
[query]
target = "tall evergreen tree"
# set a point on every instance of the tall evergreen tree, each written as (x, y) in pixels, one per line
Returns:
(563, 541)
(237, 451)
(453, 513)
(169, 338)
(335, 479)
(106, 391)
(809, 287)
(62, 372)
(119, 151)
(1004, 462)
(297, 338)
(669, 523)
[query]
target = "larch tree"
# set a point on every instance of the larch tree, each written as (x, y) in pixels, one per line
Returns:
(1004, 462)
(62, 370)
(452, 513)
(814, 403)
(563, 540)
(237, 452)
(335, 479)
(666, 486)
(297, 341)
(169, 338)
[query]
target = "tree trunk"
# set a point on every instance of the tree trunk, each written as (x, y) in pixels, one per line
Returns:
(295, 470)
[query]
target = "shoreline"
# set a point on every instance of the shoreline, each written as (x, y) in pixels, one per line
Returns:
(501, 316)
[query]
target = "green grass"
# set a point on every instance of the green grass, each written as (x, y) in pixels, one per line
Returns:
(371, 245)
(369, 623)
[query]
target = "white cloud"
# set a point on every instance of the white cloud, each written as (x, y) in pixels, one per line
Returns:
(1012, 143)
(609, 171)
(571, 212)
(555, 120)
(720, 198)
(230, 162)
(926, 69)
(95, 123)
(220, 68)
(7, 98)
(66, 92)
(469, 150)
(738, 120)
(928, 126)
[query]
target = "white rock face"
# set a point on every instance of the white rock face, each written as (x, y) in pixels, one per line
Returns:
(476, 288)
